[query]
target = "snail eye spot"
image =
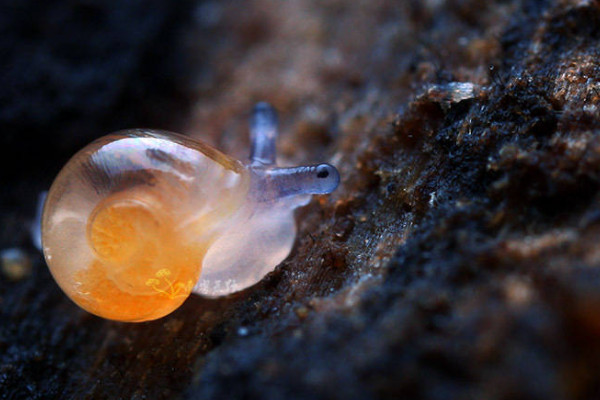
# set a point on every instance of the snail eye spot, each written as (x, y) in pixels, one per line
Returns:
(322, 173)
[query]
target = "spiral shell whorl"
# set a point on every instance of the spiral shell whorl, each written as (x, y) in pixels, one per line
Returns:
(130, 218)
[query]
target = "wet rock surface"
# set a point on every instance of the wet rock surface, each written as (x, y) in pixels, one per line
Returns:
(458, 259)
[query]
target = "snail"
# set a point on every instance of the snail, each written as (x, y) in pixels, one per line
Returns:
(138, 220)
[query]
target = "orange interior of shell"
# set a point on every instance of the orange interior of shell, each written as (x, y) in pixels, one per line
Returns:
(145, 267)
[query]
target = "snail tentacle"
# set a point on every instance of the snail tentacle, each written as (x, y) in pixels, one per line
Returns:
(277, 183)
(263, 135)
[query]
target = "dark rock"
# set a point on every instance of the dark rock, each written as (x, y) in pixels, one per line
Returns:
(459, 258)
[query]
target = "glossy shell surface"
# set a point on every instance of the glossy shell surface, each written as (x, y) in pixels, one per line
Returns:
(129, 220)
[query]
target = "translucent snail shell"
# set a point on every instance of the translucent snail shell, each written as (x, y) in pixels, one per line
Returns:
(139, 219)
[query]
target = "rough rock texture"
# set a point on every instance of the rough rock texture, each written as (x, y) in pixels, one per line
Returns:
(458, 259)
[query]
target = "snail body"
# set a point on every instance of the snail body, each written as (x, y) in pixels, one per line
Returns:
(139, 219)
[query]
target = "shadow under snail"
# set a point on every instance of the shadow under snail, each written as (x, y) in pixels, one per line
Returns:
(139, 219)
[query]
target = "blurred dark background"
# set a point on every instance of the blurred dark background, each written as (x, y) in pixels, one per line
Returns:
(71, 71)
